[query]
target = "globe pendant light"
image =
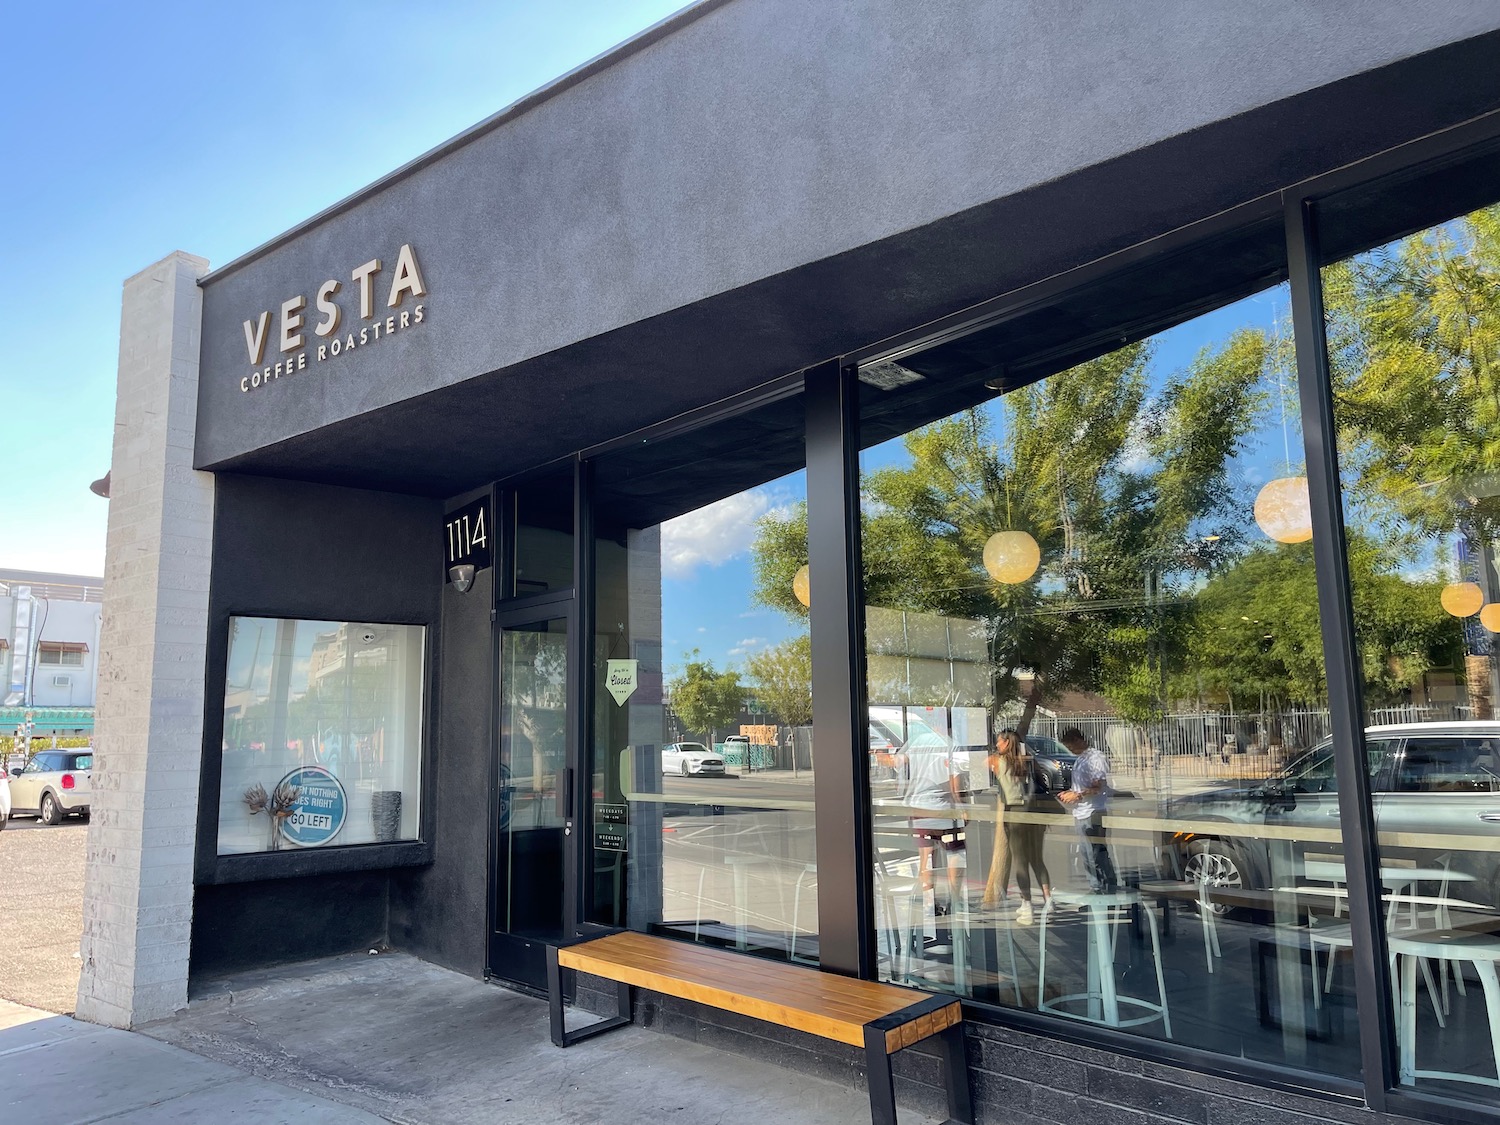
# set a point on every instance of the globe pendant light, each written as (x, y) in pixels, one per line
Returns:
(1282, 510)
(1489, 617)
(1462, 599)
(802, 584)
(1011, 556)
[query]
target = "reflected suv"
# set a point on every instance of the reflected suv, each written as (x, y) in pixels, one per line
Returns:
(1435, 787)
(55, 784)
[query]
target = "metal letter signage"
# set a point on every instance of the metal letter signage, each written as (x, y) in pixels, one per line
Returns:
(466, 537)
(620, 679)
(405, 283)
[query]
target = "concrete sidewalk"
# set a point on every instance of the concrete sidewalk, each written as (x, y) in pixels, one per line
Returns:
(359, 1041)
(57, 1071)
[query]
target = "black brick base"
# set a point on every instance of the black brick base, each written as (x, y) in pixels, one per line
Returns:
(1018, 1077)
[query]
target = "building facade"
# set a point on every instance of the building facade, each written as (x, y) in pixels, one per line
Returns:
(1122, 379)
(50, 640)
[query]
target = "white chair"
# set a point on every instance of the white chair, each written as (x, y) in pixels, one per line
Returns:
(1454, 947)
(1403, 914)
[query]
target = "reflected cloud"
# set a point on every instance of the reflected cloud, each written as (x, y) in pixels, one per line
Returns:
(712, 535)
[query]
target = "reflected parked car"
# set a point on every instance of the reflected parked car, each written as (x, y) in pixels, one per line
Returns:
(4, 799)
(690, 759)
(1430, 783)
(1051, 763)
(56, 783)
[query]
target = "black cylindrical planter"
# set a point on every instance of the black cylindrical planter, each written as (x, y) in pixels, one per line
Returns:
(385, 814)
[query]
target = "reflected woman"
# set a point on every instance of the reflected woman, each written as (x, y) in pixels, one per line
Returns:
(1018, 841)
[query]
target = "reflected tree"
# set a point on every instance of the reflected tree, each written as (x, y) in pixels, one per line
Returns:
(1116, 485)
(703, 698)
(782, 678)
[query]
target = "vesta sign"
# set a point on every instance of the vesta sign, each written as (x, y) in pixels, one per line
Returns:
(377, 320)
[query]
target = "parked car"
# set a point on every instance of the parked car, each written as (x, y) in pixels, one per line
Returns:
(1051, 764)
(689, 758)
(56, 783)
(1431, 783)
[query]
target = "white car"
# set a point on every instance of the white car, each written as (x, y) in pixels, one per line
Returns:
(56, 783)
(689, 758)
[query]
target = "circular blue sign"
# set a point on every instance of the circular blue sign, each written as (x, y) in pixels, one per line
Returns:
(321, 807)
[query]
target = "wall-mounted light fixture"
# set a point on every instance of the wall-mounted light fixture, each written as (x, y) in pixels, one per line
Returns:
(462, 577)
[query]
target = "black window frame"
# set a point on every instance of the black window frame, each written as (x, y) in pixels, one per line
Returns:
(833, 446)
(843, 815)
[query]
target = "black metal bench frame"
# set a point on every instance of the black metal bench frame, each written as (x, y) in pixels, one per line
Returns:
(879, 1075)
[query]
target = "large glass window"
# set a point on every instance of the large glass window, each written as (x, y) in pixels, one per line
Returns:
(1414, 345)
(702, 816)
(1102, 781)
(544, 534)
(322, 734)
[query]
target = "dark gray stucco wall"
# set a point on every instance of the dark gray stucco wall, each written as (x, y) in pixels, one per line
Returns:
(920, 156)
(289, 549)
(439, 912)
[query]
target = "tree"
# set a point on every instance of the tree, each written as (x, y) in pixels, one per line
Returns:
(1255, 632)
(703, 698)
(1116, 485)
(782, 676)
(1414, 345)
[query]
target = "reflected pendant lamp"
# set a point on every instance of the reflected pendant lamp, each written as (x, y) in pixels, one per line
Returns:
(802, 584)
(1462, 599)
(1283, 511)
(1489, 617)
(1011, 556)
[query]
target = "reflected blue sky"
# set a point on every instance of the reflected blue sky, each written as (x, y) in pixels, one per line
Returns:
(706, 603)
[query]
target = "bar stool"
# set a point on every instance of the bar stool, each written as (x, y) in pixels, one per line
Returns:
(1106, 912)
(1444, 946)
(738, 865)
(914, 933)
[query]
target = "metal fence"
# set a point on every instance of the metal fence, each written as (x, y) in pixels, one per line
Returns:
(1224, 734)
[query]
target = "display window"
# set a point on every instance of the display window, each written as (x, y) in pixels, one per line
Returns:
(1413, 332)
(322, 734)
(1102, 781)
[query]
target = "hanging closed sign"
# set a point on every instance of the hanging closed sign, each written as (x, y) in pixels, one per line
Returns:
(620, 678)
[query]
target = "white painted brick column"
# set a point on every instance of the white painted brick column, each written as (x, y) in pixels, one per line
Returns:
(148, 742)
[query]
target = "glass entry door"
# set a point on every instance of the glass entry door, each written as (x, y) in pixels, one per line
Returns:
(533, 854)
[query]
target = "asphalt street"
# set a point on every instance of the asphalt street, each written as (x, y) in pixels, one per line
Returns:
(41, 912)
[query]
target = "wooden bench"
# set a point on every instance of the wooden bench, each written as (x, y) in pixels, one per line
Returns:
(881, 1018)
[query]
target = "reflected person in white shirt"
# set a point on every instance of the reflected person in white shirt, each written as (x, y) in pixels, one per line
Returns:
(1088, 801)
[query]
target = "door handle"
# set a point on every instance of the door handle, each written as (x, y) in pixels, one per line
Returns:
(565, 795)
(1493, 816)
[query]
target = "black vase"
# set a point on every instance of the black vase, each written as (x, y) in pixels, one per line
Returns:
(385, 815)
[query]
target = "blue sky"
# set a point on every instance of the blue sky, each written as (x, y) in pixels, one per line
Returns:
(132, 130)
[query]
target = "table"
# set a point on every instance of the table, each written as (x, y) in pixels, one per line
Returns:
(1394, 880)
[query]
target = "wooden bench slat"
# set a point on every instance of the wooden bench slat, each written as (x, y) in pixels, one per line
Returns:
(833, 1007)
